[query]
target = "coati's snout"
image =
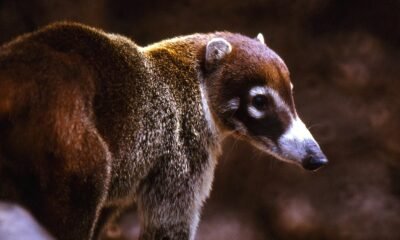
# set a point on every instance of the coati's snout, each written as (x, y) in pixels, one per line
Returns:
(250, 96)
(298, 145)
(314, 157)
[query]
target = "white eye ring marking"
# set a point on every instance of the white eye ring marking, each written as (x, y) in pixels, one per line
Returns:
(258, 91)
(263, 90)
(255, 113)
(233, 104)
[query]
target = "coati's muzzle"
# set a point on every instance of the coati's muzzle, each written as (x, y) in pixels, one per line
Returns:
(298, 145)
(314, 158)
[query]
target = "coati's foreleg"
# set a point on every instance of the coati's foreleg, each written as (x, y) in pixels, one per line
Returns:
(167, 204)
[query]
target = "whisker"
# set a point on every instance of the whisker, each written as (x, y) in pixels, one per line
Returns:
(315, 125)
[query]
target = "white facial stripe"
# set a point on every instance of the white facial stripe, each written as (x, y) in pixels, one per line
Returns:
(292, 142)
(278, 100)
(263, 90)
(233, 104)
(255, 113)
(258, 91)
(298, 130)
(207, 113)
(291, 86)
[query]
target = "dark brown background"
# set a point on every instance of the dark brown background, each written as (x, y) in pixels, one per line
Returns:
(344, 61)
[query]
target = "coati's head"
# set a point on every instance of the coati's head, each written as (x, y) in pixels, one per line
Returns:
(250, 95)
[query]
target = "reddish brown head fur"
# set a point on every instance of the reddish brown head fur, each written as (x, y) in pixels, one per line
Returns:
(251, 96)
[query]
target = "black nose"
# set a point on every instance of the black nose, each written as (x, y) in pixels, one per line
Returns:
(313, 162)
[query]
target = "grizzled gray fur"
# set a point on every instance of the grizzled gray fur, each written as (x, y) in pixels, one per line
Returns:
(91, 123)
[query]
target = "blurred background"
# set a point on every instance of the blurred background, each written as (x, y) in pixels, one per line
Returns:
(344, 59)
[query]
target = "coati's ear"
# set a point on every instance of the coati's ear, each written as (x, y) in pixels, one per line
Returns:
(217, 49)
(260, 38)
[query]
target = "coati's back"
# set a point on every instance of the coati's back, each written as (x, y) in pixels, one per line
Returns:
(65, 92)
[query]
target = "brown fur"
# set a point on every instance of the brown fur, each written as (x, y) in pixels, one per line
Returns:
(50, 144)
(90, 122)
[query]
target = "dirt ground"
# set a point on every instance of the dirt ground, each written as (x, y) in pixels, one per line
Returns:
(344, 60)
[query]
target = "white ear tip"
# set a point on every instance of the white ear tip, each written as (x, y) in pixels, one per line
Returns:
(217, 48)
(220, 43)
(260, 37)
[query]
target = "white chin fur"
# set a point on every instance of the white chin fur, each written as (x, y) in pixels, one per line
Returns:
(293, 142)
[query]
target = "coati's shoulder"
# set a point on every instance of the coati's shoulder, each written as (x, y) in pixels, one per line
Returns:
(74, 38)
(63, 54)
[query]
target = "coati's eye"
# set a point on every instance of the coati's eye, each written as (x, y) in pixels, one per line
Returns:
(260, 102)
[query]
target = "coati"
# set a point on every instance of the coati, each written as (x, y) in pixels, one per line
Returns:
(90, 123)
